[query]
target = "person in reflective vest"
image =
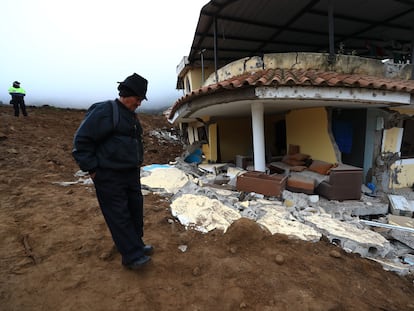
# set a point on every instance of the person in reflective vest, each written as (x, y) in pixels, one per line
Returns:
(17, 99)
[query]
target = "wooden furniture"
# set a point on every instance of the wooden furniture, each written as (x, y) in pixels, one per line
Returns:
(302, 184)
(259, 182)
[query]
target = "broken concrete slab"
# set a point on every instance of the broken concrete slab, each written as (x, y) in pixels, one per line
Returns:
(403, 236)
(168, 178)
(400, 206)
(400, 249)
(409, 259)
(364, 207)
(256, 209)
(233, 173)
(280, 222)
(351, 238)
(203, 214)
(393, 265)
(400, 228)
(227, 197)
(214, 168)
(298, 200)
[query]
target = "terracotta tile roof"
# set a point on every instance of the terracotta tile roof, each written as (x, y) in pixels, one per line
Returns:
(298, 77)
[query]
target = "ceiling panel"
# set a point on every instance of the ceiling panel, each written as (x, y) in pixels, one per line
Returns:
(248, 28)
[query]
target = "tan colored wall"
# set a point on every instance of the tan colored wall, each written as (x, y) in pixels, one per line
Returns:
(402, 169)
(308, 128)
(236, 68)
(235, 136)
(391, 139)
(405, 175)
(344, 64)
(406, 111)
(195, 77)
(210, 149)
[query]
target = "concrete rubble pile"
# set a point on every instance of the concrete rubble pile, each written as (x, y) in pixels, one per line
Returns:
(204, 197)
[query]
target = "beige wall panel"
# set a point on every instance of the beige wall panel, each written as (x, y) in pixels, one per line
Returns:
(308, 128)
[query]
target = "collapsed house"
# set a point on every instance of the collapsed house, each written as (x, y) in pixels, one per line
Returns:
(267, 82)
(310, 98)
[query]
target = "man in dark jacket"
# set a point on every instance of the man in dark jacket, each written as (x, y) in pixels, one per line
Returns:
(108, 145)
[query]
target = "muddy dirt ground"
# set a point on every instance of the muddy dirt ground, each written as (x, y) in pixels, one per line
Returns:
(56, 252)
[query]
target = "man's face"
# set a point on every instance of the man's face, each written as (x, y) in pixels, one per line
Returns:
(132, 102)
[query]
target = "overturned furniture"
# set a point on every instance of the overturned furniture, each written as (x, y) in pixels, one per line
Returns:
(332, 181)
(259, 182)
(344, 183)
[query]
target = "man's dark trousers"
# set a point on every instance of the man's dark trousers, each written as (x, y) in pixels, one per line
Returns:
(120, 198)
(16, 104)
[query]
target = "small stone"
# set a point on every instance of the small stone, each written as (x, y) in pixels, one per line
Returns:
(335, 254)
(243, 305)
(313, 270)
(233, 250)
(196, 271)
(12, 150)
(313, 198)
(289, 203)
(182, 248)
(279, 259)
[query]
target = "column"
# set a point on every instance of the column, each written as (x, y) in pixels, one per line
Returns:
(258, 137)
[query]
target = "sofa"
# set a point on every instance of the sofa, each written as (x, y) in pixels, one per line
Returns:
(332, 181)
(344, 183)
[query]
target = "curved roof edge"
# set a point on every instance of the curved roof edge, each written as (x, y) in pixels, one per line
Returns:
(296, 77)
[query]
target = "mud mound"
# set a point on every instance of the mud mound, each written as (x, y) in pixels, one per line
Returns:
(245, 231)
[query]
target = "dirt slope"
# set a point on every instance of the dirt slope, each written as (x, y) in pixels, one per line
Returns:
(56, 252)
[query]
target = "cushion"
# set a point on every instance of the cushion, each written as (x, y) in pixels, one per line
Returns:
(333, 166)
(308, 162)
(298, 168)
(287, 160)
(320, 167)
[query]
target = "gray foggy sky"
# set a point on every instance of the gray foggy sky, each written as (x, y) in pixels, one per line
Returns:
(72, 53)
